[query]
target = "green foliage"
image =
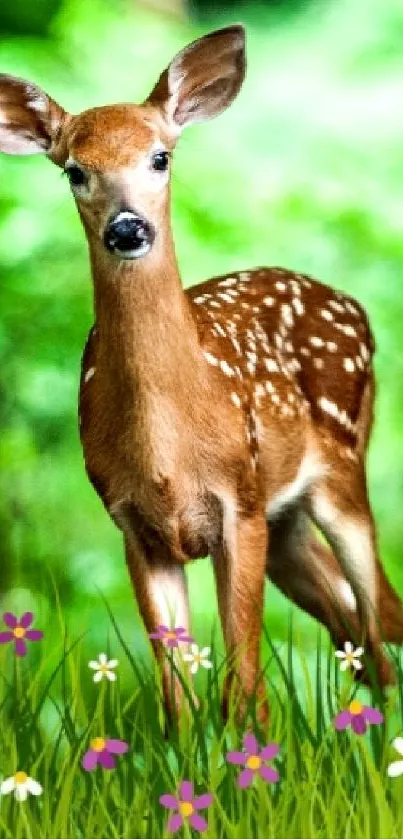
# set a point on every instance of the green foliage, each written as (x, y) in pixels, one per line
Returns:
(332, 784)
(302, 171)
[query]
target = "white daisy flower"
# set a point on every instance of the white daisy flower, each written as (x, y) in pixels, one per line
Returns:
(198, 657)
(21, 784)
(350, 656)
(396, 768)
(103, 668)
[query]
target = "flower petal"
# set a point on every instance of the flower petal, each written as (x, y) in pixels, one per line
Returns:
(117, 747)
(111, 676)
(344, 665)
(185, 639)
(94, 665)
(198, 822)
(340, 654)
(6, 636)
(205, 652)
(238, 758)
(10, 620)
(358, 723)
(21, 792)
(348, 647)
(270, 751)
(372, 715)
(186, 791)
(250, 744)
(188, 656)
(398, 744)
(26, 620)
(102, 658)
(20, 647)
(33, 787)
(359, 651)
(174, 823)
(171, 642)
(395, 768)
(113, 662)
(203, 801)
(169, 801)
(178, 631)
(342, 720)
(194, 668)
(90, 760)
(205, 663)
(356, 664)
(156, 636)
(245, 778)
(98, 676)
(195, 649)
(106, 760)
(7, 785)
(34, 634)
(269, 774)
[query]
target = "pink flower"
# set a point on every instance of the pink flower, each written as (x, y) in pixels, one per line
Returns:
(20, 632)
(253, 759)
(102, 751)
(170, 637)
(187, 805)
(358, 716)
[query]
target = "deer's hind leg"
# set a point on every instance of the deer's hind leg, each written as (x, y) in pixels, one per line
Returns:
(307, 572)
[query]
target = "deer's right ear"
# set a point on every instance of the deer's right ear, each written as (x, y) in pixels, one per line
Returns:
(30, 122)
(203, 79)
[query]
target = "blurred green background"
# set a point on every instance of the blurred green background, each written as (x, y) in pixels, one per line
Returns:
(305, 170)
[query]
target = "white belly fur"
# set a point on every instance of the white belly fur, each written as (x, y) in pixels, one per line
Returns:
(310, 470)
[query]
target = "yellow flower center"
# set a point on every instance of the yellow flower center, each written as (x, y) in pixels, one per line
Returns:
(253, 762)
(349, 658)
(355, 707)
(104, 668)
(98, 744)
(19, 631)
(20, 777)
(197, 658)
(186, 808)
(170, 636)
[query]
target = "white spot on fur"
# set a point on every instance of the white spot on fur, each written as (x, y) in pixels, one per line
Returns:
(316, 342)
(326, 314)
(298, 305)
(236, 399)
(211, 358)
(349, 365)
(280, 286)
(89, 374)
(225, 367)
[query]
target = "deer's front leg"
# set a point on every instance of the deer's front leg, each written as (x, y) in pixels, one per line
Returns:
(162, 596)
(240, 574)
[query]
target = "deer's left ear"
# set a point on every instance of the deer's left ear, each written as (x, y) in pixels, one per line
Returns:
(203, 79)
(30, 121)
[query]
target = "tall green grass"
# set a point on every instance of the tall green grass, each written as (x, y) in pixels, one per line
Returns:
(332, 785)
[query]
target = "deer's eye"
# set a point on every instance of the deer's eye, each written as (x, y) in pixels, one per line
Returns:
(160, 161)
(75, 175)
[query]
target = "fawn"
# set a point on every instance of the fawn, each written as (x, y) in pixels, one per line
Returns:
(225, 420)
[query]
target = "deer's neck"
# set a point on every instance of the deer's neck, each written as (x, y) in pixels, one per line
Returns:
(147, 339)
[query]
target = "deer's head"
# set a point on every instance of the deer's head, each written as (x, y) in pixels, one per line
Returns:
(117, 157)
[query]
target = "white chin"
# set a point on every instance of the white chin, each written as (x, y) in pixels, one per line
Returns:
(135, 254)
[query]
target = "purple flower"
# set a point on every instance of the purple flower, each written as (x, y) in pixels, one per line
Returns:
(358, 716)
(252, 758)
(170, 637)
(187, 805)
(102, 751)
(20, 632)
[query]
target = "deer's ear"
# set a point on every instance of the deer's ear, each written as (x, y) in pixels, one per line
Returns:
(203, 79)
(30, 121)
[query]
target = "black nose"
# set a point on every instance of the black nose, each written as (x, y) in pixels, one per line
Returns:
(129, 235)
